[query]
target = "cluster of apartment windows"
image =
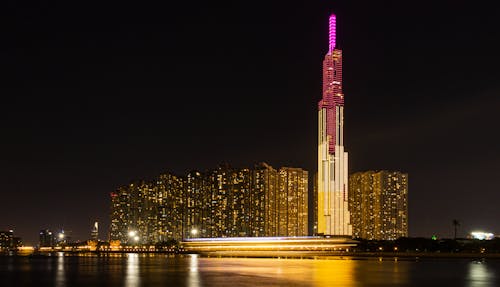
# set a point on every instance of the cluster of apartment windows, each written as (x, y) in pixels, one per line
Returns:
(224, 202)
(378, 202)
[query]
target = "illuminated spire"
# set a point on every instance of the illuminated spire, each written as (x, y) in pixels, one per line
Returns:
(332, 32)
(333, 206)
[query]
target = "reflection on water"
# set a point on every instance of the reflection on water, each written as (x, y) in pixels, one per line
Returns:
(132, 278)
(338, 272)
(400, 273)
(278, 272)
(193, 276)
(133, 270)
(60, 275)
(480, 274)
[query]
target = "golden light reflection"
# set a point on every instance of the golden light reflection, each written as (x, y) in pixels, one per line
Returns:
(334, 272)
(132, 278)
(285, 272)
(194, 275)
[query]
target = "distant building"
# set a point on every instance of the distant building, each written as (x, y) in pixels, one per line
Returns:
(224, 202)
(6, 239)
(378, 202)
(47, 238)
(94, 233)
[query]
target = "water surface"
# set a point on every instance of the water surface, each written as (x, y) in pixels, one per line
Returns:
(133, 270)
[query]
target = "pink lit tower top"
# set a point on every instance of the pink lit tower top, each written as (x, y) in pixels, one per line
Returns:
(333, 213)
(332, 85)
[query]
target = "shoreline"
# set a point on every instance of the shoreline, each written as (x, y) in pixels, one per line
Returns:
(276, 254)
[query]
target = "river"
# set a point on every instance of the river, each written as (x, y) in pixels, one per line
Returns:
(132, 270)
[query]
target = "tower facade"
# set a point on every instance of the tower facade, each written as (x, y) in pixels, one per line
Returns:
(332, 179)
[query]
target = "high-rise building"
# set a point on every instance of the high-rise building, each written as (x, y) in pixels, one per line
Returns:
(333, 211)
(94, 232)
(195, 198)
(292, 202)
(170, 191)
(265, 200)
(120, 213)
(147, 212)
(378, 201)
(219, 181)
(239, 203)
(136, 204)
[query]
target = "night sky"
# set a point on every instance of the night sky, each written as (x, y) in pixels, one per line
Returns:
(95, 95)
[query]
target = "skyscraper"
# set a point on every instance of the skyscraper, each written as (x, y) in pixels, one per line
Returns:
(378, 202)
(333, 212)
(47, 238)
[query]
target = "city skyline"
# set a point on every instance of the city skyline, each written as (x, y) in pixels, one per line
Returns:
(91, 105)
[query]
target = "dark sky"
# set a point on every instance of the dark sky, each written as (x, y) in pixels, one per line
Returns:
(95, 95)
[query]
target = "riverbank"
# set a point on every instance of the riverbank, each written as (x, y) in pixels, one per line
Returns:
(279, 254)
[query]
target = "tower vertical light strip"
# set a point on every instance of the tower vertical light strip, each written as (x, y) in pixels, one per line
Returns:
(333, 213)
(332, 32)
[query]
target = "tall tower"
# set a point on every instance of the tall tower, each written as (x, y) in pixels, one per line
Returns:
(333, 213)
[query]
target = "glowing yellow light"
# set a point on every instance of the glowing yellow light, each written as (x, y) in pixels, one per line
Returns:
(334, 272)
